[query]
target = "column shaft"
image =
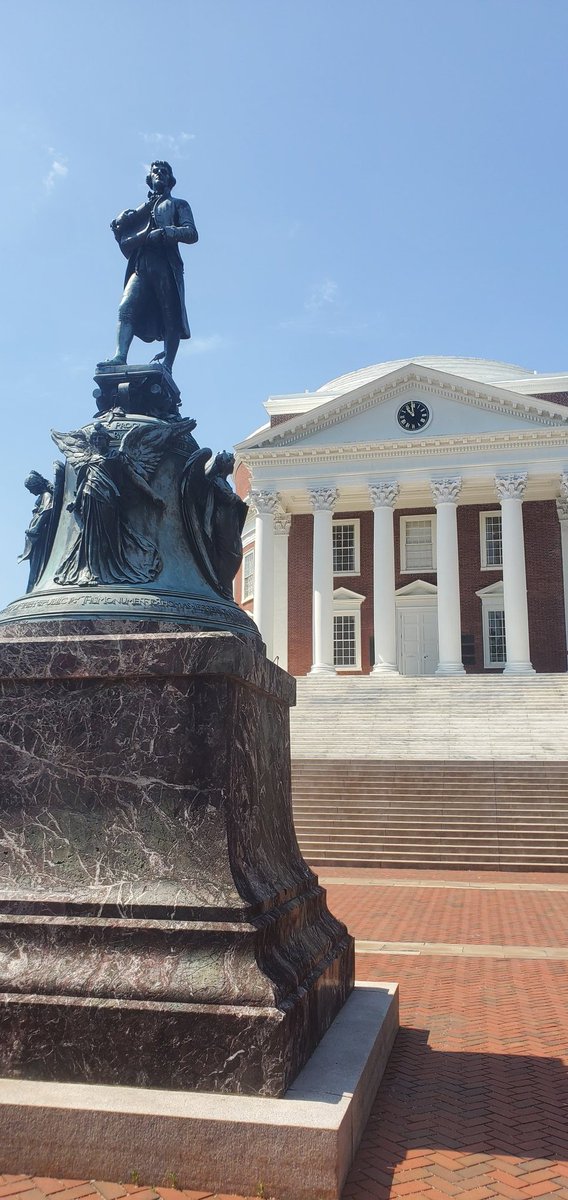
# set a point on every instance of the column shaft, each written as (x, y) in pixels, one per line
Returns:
(383, 497)
(265, 504)
(562, 508)
(323, 500)
(445, 492)
(282, 524)
(510, 490)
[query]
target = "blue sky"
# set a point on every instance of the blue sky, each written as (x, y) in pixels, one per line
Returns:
(369, 181)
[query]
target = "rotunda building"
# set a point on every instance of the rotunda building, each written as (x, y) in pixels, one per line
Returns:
(411, 517)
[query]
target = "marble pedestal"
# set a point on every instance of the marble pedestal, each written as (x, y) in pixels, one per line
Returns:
(158, 926)
(299, 1147)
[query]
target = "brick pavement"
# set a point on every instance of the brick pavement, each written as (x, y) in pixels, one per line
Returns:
(453, 914)
(474, 1103)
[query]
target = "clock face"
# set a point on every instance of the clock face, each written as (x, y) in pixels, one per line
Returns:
(413, 415)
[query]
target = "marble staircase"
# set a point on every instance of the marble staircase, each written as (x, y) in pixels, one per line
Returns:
(465, 773)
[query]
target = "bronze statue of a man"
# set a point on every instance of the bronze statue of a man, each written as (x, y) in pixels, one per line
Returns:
(153, 302)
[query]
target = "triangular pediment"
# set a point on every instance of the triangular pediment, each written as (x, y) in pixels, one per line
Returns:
(418, 587)
(343, 593)
(440, 405)
(493, 590)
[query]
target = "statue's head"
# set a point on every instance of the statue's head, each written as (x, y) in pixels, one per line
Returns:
(36, 483)
(100, 439)
(223, 464)
(161, 177)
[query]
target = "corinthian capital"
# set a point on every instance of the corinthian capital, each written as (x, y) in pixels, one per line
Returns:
(446, 491)
(562, 509)
(323, 499)
(511, 487)
(264, 502)
(384, 494)
(282, 522)
(564, 485)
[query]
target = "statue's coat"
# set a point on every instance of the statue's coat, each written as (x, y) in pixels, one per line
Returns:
(170, 211)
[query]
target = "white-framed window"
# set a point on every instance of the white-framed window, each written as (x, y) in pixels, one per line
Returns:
(346, 547)
(345, 641)
(417, 544)
(495, 645)
(491, 536)
(248, 575)
(494, 634)
(347, 629)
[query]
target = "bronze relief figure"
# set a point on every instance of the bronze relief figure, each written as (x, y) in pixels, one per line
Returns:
(214, 517)
(107, 548)
(40, 533)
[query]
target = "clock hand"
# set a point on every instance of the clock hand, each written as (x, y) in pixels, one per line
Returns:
(411, 407)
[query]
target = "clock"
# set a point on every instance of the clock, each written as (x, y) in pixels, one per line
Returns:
(413, 415)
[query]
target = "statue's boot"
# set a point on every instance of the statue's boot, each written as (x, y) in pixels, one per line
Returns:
(119, 360)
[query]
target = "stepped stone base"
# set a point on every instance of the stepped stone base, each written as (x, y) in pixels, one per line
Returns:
(299, 1147)
(158, 926)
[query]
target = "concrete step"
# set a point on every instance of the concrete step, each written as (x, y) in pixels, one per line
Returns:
(416, 864)
(362, 717)
(425, 808)
(465, 829)
(411, 814)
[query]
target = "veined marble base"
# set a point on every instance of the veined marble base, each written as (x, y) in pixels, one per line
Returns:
(158, 925)
(299, 1147)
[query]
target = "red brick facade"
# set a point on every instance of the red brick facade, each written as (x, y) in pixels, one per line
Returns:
(544, 583)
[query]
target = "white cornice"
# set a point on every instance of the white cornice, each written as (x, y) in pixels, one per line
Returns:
(422, 448)
(296, 402)
(432, 382)
(534, 384)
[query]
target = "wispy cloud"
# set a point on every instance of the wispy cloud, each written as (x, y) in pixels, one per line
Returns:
(57, 171)
(326, 312)
(174, 144)
(321, 295)
(321, 303)
(206, 345)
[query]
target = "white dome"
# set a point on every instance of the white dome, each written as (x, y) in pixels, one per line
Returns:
(483, 370)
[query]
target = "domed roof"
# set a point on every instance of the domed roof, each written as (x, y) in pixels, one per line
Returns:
(482, 370)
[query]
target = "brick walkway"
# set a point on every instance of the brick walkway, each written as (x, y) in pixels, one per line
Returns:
(474, 1103)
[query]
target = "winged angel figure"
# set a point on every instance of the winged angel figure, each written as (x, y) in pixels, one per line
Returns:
(106, 549)
(214, 517)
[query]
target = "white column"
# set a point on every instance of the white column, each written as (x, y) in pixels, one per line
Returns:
(265, 504)
(282, 523)
(510, 490)
(383, 500)
(323, 504)
(445, 493)
(562, 510)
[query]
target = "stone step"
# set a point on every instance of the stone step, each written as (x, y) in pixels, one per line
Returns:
(428, 804)
(477, 828)
(382, 786)
(333, 859)
(441, 853)
(366, 717)
(449, 844)
(468, 777)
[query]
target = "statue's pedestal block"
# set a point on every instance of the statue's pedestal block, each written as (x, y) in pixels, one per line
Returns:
(158, 926)
(137, 388)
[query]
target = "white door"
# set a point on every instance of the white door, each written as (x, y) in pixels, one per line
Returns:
(417, 640)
